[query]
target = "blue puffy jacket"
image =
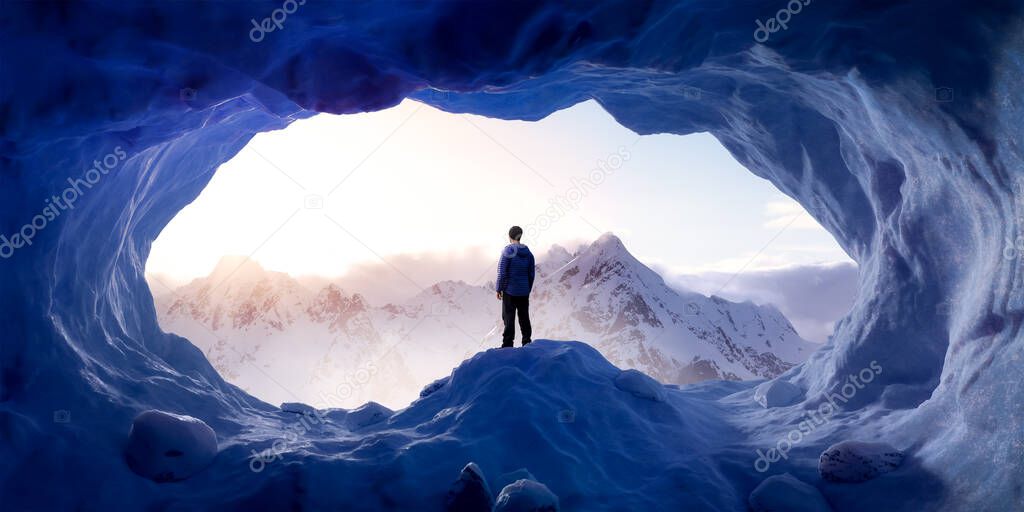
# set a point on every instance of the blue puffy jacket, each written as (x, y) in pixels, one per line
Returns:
(515, 271)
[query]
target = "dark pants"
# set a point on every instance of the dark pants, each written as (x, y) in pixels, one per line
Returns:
(509, 306)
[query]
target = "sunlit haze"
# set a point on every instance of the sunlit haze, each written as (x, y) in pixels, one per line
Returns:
(415, 182)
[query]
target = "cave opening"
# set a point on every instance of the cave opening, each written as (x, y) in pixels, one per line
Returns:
(347, 259)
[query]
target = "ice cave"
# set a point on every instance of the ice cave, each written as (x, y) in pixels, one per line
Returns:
(895, 123)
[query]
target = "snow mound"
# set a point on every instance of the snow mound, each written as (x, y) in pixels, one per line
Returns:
(777, 393)
(167, 447)
(858, 461)
(470, 492)
(786, 493)
(640, 385)
(526, 496)
(369, 414)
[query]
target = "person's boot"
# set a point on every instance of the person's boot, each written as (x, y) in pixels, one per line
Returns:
(526, 342)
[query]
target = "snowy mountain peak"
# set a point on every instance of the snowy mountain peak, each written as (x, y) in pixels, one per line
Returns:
(609, 240)
(602, 295)
(236, 267)
(557, 253)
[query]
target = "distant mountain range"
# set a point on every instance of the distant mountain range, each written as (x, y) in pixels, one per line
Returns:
(287, 340)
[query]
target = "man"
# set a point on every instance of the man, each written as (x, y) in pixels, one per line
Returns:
(515, 280)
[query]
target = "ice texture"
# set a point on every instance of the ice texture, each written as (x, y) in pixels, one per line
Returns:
(895, 124)
(777, 393)
(640, 385)
(785, 493)
(526, 496)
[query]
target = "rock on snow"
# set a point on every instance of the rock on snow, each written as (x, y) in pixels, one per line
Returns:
(470, 492)
(167, 447)
(526, 496)
(299, 408)
(858, 461)
(785, 493)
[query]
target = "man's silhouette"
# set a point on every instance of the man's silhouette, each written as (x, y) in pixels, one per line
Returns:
(515, 280)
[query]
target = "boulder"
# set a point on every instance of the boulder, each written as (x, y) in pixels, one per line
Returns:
(526, 496)
(470, 492)
(785, 493)
(167, 447)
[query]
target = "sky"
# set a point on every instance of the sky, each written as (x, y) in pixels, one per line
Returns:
(332, 195)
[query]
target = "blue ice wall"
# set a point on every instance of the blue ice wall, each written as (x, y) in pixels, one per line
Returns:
(896, 124)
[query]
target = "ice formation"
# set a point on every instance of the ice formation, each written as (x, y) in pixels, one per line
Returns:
(776, 393)
(526, 496)
(470, 492)
(896, 124)
(779, 493)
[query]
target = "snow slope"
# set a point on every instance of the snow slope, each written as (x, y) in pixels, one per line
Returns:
(896, 124)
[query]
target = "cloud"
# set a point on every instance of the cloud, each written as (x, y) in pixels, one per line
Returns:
(399, 277)
(788, 214)
(813, 297)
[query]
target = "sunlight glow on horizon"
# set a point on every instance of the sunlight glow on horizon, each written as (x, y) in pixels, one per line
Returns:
(331, 192)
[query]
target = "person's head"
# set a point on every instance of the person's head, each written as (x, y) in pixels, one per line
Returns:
(515, 234)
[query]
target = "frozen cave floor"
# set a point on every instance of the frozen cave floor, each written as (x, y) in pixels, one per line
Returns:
(598, 437)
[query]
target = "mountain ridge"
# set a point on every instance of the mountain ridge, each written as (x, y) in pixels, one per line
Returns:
(600, 294)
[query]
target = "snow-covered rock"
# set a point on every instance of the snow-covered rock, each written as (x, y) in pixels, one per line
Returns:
(786, 493)
(777, 393)
(369, 414)
(167, 447)
(431, 388)
(858, 461)
(640, 385)
(518, 474)
(470, 492)
(526, 496)
(299, 408)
